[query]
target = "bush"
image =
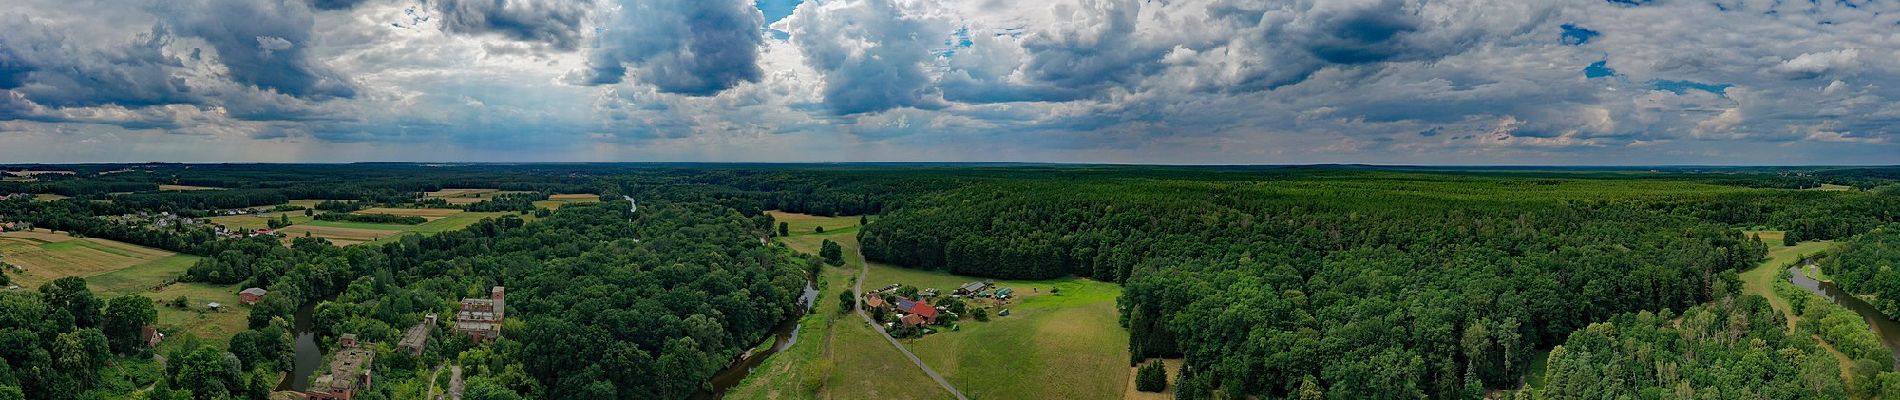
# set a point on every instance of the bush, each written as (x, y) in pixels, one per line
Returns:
(1152, 377)
(832, 252)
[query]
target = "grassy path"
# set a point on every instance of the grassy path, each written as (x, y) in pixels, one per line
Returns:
(1761, 279)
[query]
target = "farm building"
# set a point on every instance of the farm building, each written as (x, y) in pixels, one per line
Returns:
(252, 295)
(924, 310)
(480, 319)
(911, 320)
(349, 372)
(417, 336)
(972, 288)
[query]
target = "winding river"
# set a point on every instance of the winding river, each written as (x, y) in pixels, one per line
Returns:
(1884, 327)
(307, 354)
(783, 337)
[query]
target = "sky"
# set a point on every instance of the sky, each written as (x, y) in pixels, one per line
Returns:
(1464, 82)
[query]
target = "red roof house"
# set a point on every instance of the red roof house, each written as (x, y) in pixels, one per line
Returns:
(923, 309)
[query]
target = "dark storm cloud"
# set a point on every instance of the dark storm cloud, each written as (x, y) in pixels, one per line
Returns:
(557, 23)
(263, 42)
(37, 62)
(335, 4)
(691, 47)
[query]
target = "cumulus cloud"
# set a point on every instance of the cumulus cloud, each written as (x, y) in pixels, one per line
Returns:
(38, 64)
(871, 53)
(263, 43)
(1417, 81)
(556, 23)
(694, 47)
(1813, 65)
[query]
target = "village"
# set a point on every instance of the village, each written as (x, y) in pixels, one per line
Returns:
(909, 312)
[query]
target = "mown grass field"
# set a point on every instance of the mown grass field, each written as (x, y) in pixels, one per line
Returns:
(114, 269)
(258, 221)
(802, 224)
(1067, 345)
(345, 233)
(555, 202)
(49, 197)
(429, 213)
(1051, 346)
(48, 256)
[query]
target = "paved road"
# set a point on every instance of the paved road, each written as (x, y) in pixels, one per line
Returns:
(863, 268)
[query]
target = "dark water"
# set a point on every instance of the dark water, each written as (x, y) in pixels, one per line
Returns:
(1884, 327)
(783, 337)
(308, 355)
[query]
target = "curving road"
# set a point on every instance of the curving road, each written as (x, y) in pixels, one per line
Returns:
(864, 267)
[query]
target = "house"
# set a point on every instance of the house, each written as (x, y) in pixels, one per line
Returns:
(480, 319)
(923, 309)
(251, 295)
(904, 304)
(873, 301)
(418, 336)
(349, 372)
(911, 320)
(152, 336)
(971, 288)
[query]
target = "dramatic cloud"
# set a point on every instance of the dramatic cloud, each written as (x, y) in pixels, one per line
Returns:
(557, 23)
(872, 54)
(694, 47)
(264, 43)
(1179, 81)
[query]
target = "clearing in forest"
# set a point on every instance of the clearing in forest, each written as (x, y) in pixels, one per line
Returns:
(1761, 279)
(1066, 345)
(1051, 346)
(837, 355)
(185, 188)
(48, 197)
(555, 202)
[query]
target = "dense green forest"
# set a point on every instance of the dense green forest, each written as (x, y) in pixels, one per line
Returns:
(1376, 285)
(1870, 265)
(1270, 281)
(63, 342)
(1735, 348)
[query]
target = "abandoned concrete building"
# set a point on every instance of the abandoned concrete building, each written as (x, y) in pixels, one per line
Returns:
(418, 336)
(480, 319)
(349, 372)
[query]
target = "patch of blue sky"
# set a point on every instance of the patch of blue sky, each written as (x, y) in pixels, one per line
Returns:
(1599, 69)
(1576, 35)
(957, 40)
(776, 9)
(1683, 86)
